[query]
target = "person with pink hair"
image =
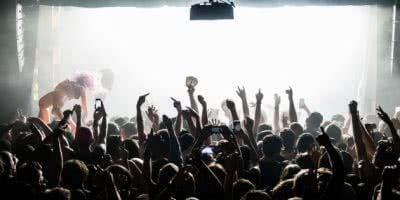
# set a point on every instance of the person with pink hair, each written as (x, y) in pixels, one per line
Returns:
(73, 88)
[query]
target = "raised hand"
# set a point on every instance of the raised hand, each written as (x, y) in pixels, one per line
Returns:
(214, 122)
(277, 100)
(353, 107)
(77, 109)
(177, 105)
(230, 104)
(383, 115)
(315, 155)
(259, 96)
(142, 99)
(289, 92)
(323, 138)
(201, 100)
(241, 92)
(167, 121)
(152, 113)
(249, 124)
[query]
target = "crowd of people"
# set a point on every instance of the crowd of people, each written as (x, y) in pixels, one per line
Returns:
(192, 156)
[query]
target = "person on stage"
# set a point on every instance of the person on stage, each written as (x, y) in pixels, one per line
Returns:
(71, 88)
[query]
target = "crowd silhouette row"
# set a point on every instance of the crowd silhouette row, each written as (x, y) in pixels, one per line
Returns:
(80, 156)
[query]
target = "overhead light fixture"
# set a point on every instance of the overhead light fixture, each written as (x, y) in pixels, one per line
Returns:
(212, 10)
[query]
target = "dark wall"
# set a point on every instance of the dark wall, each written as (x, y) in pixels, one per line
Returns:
(18, 43)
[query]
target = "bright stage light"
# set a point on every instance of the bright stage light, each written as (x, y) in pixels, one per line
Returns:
(319, 51)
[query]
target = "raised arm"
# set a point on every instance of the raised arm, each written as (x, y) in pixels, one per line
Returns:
(178, 121)
(139, 119)
(396, 139)
(193, 103)
(276, 127)
(84, 104)
(257, 118)
(292, 109)
(241, 92)
(361, 152)
(231, 106)
(78, 110)
(211, 188)
(302, 105)
(334, 189)
(175, 154)
(152, 114)
(149, 184)
(203, 103)
(104, 124)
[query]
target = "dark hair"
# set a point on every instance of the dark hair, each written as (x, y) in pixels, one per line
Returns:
(272, 145)
(129, 128)
(297, 128)
(120, 121)
(84, 136)
(166, 173)
(264, 127)
(283, 190)
(290, 171)
(132, 147)
(112, 129)
(186, 140)
(114, 146)
(315, 119)
(30, 173)
(121, 171)
(334, 132)
(5, 145)
(57, 193)
(262, 134)
(74, 173)
(256, 195)
(219, 171)
(241, 187)
(305, 142)
(288, 138)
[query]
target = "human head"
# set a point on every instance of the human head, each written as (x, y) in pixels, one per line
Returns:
(132, 147)
(166, 173)
(57, 193)
(84, 137)
(304, 142)
(241, 187)
(290, 171)
(256, 195)
(288, 139)
(31, 173)
(128, 130)
(8, 163)
(122, 176)
(112, 129)
(297, 128)
(262, 134)
(186, 140)
(314, 120)
(264, 127)
(74, 174)
(334, 132)
(338, 120)
(114, 146)
(272, 145)
(283, 190)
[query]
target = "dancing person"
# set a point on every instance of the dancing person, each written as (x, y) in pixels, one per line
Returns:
(70, 88)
